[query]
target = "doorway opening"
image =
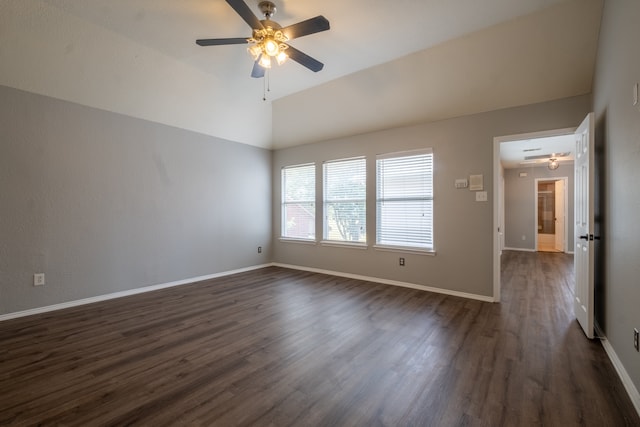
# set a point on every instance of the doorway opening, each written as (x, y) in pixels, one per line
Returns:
(551, 206)
(521, 167)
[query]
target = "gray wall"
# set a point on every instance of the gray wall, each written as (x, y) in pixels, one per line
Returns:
(618, 142)
(102, 203)
(519, 202)
(463, 227)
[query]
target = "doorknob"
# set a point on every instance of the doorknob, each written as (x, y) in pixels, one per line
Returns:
(585, 237)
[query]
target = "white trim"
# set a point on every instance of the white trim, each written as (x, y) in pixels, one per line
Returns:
(407, 153)
(482, 298)
(632, 391)
(519, 249)
(533, 135)
(495, 232)
(302, 241)
(405, 250)
(106, 297)
(497, 140)
(99, 298)
(348, 245)
(565, 180)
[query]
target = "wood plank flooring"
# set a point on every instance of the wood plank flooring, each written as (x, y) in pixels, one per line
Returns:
(278, 347)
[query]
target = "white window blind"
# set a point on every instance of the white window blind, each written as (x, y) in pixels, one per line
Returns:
(299, 202)
(345, 213)
(404, 199)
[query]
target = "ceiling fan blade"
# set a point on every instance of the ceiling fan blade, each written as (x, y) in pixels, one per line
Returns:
(218, 42)
(304, 59)
(245, 13)
(258, 71)
(304, 28)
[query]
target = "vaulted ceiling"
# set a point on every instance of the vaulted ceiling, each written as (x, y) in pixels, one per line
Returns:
(387, 64)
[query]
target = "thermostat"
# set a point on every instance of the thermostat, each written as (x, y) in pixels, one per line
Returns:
(461, 183)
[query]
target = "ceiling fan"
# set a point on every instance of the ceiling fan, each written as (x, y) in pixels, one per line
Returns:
(268, 41)
(554, 162)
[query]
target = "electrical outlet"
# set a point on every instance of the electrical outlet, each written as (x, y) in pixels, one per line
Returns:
(259, 249)
(38, 279)
(636, 339)
(402, 262)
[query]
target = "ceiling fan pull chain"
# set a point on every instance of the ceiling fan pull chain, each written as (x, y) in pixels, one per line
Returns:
(264, 89)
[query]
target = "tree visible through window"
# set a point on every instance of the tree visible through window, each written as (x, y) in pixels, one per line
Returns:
(404, 199)
(345, 216)
(299, 202)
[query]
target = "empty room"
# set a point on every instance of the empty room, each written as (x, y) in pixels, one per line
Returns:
(297, 213)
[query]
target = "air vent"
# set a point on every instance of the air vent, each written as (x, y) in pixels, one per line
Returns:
(546, 156)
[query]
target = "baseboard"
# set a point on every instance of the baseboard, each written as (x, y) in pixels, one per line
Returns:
(389, 282)
(519, 249)
(632, 390)
(121, 294)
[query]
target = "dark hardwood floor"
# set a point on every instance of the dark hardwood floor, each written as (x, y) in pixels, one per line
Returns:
(278, 347)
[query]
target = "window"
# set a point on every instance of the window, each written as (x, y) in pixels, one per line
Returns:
(404, 199)
(345, 214)
(299, 202)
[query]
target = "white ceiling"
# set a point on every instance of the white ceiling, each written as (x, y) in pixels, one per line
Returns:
(386, 63)
(513, 153)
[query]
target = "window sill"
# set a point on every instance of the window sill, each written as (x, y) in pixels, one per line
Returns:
(351, 245)
(406, 250)
(301, 241)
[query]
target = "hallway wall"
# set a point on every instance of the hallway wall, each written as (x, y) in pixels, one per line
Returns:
(519, 202)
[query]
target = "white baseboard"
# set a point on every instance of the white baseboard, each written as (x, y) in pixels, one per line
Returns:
(90, 300)
(519, 249)
(530, 250)
(632, 390)
(389, 282)
(121, 294)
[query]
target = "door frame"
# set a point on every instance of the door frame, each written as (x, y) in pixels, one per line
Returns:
(565, 179)
(499, 196)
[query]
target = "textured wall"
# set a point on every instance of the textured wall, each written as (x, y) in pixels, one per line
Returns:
(102, 203)
(462, 226)
(618, 139)
(520, 202)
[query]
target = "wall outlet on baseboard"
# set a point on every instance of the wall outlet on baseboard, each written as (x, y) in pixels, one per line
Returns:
(402, 262)
(636, 339)
(38, 279)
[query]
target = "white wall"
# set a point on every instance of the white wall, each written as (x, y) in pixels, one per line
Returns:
(463, 227)
(618, 154)
(45, 49)
(103, 203)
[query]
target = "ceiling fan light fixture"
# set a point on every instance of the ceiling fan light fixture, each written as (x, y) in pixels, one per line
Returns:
(255, 50)
(265, 61)
(268, 41)
(553, 164)
(271, 47)
(281, 57)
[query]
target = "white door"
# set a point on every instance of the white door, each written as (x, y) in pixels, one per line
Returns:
(559, 215)
(583, 231)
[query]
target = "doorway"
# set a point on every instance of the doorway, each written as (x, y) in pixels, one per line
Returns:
(551, 214)
(499, 171)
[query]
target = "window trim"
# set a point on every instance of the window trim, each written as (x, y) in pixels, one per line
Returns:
(342, 243)
(422, 250)
(283, 204)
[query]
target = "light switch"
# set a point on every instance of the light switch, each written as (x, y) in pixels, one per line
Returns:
(481, 196)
